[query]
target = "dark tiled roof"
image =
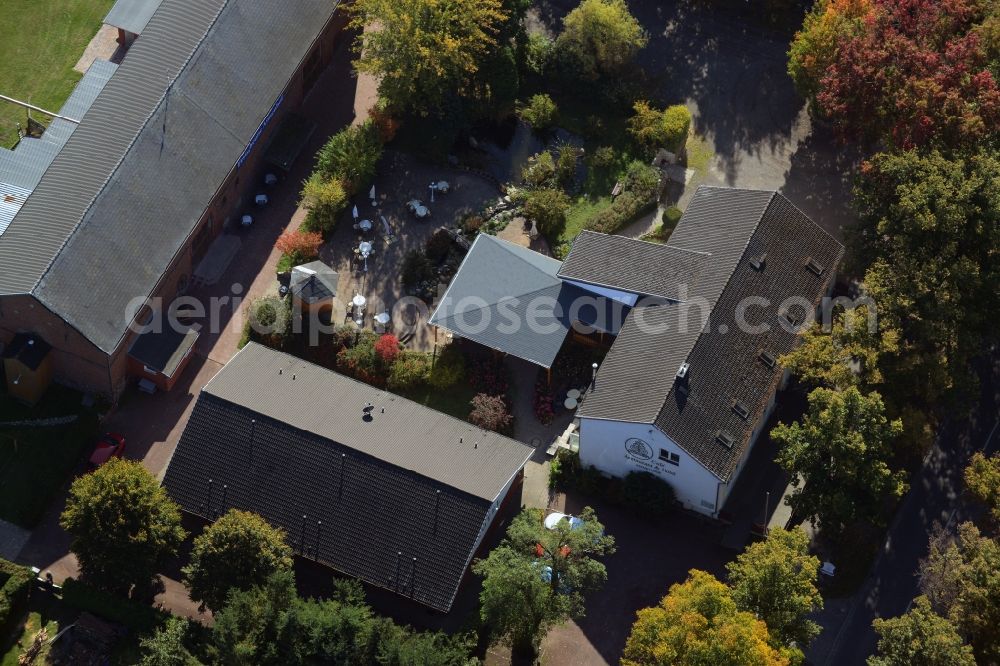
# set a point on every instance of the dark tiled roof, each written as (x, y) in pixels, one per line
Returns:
(635, 266)
(385, 492)
(163, 350)
(637, 381)
(28, 349)
(139, 171)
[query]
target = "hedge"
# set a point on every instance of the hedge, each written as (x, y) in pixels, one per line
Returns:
(137, 617)
(639, 196)
(643, 493)
(13, 593)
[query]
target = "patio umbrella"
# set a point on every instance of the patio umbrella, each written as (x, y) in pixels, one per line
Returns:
(355, 211)
(371, 194)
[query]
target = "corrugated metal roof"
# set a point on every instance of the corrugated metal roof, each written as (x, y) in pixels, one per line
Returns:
(132, 15)
(138, 173)
(635, 266)
(12, 198)
(401, 432)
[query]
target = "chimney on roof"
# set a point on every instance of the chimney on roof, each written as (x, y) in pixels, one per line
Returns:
(682, 372)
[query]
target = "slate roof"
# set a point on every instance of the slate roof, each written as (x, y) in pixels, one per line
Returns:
(29, 349)
(399, 501)
(132, 15)
(637, 381)
(314, 282)
(635, 266)
(139, 171)
(164, 350)
(495, 277)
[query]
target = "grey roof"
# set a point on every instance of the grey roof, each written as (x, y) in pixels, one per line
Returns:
(635, 266)
(22, 167)
(140, 170)
(724, 368)
(132, 15)
(398, 501)
(314, 282)
(406, 434)
(498, 277)
(164, 350)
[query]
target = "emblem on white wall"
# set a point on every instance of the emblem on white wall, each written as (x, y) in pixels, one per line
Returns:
(639, 448)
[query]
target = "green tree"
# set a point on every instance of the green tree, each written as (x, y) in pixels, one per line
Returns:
(982, 478)
(540, 112)
(236, 552)
(547, 207)
(653, 129)
(840, 452)
(423, 52)
(699, 623)
(927, 230)
(538, 578)
(540, 170)
(123, 524)
(776, 581)
(960, 577)
(849, 354)
(921, 637)
(325, 199)
(246, 631)
(167, 646)
(351, 156)
(600, 37)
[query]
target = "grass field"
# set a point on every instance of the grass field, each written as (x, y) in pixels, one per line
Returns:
(35, 462)
(40, 41)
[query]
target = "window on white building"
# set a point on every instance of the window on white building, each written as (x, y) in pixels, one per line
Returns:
(672, 458)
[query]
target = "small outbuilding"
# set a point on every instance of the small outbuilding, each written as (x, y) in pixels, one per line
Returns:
(313, 287)
(27, 365)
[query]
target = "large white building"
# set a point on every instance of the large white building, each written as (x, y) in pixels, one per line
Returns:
(691, 377)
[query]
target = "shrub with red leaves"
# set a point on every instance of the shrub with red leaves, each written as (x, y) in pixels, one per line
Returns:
(303, 245)
(490, 413)
(387, 349)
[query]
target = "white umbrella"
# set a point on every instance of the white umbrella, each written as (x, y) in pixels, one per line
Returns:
(371, 193)
(358, 300)
(355, 212)
(382, 318)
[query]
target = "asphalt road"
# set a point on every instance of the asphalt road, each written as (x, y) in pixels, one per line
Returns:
(935, 497)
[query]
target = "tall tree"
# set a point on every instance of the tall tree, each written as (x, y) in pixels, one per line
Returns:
(921, 637)
(539, 577)
(600, 37)
(816, 45)
(927, 228)
(915, 75)
(166, 647)
(961, 577)
(425, 51)
(838, 458)
(123, 524)
(849, 354)
(982, 478)
(236, 552)
(698, 623)
(776, 581)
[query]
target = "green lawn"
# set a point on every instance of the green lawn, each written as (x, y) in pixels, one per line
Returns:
(34, 622)
(40, 41)
(35, 462)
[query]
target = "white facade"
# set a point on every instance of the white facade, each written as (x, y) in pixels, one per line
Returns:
(618, 447)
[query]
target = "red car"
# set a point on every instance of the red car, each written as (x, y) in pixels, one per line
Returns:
(110, 445)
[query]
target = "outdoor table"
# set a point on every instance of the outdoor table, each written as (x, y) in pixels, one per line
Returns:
(571, 403)
(358, 301)
(365, 249)
(365, 225)
(246, 220)
(270, 179)
(573, 393)
(261, 199)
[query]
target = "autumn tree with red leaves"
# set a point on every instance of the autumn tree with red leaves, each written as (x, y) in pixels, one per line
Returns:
(302, 245)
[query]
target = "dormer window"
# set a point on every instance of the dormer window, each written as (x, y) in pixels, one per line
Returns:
(814, 267)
